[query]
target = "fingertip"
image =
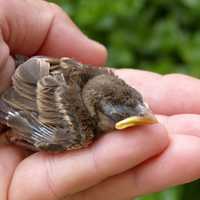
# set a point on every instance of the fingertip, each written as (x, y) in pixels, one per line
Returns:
(162, 135)
(100, 54)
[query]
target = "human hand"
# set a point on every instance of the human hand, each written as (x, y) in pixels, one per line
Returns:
(113, 167)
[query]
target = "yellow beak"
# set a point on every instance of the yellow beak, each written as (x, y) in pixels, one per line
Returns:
(148, 118)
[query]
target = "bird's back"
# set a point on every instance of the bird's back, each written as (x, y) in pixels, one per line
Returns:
(45, 97)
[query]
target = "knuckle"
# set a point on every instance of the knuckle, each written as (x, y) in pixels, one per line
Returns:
(58, 12)
(56, 9)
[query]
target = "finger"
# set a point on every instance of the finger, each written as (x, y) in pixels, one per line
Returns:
(9, 159)
(187, 124)
(58, 175)
(178, 164)
(6, 65)
(169, 94)
(38, 27)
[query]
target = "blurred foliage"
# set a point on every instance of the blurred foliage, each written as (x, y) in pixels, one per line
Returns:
(171, 194)
(157, 35)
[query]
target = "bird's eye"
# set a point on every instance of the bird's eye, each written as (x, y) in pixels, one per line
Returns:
(116, 114)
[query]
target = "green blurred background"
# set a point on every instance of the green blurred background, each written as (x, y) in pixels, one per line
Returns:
(158, 35)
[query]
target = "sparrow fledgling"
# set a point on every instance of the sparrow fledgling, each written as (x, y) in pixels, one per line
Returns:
(61, 104)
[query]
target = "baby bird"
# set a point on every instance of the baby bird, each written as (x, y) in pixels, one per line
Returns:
(61, 104)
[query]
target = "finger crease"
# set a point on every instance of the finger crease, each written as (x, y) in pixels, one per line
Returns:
(97, 169)
(52, 21)
(49, 179)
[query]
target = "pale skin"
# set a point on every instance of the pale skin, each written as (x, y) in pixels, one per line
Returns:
(120, 165)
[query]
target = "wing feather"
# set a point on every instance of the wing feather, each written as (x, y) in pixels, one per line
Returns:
(42, 102)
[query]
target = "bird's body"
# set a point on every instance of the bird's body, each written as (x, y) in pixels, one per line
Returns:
(61, 104)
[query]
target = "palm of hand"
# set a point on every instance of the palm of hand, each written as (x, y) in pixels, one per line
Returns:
(89, 171)
(117, 166)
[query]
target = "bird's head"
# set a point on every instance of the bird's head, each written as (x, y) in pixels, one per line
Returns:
(114, 104)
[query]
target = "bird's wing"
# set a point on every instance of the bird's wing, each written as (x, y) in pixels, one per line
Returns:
(52, 101)
(56, 102)
(22, 95)
(32, 133)
(36, 109)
